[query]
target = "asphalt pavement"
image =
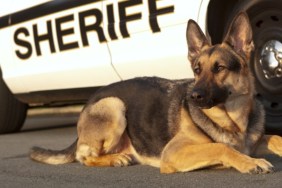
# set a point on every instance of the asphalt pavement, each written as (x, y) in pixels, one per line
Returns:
(57, 132)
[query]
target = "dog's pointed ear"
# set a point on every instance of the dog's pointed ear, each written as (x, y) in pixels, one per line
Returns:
(239, 35)
(196, 40)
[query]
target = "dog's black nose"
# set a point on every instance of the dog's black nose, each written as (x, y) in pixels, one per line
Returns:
(198, 95)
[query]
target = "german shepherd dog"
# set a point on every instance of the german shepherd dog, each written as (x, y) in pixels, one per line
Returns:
(179, 125)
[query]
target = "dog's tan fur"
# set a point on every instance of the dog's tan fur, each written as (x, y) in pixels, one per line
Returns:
(225, 134)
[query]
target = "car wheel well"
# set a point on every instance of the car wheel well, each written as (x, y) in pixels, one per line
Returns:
(218, 15)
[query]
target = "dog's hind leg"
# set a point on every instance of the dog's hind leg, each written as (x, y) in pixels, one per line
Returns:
(269, 144)
(117, 160)
(102, 140)
(89, 158)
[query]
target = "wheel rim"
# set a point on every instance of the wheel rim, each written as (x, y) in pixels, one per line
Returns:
(267, 58)
(271, 61)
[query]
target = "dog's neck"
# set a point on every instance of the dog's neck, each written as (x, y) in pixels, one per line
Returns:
(238, 110)
(235, 111)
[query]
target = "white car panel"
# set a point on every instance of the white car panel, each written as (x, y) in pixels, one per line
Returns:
(151, 53)
(84, 66)
(139, 47)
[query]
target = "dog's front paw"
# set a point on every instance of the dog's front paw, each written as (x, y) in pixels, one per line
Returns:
(256, 166)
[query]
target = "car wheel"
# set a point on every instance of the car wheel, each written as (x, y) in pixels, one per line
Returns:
(266, 62)
(12, 111)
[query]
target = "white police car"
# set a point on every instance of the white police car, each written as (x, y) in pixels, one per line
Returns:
(59, 52)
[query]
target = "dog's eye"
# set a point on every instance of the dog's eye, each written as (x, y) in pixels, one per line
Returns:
(218, 68)
(197, 70)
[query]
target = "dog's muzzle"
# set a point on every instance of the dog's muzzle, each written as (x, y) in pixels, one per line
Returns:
(207, 97)
(200, 98)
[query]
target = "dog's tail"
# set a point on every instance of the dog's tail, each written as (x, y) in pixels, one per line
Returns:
(54, 157)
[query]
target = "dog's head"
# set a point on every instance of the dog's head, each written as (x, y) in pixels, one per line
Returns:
(221, 71)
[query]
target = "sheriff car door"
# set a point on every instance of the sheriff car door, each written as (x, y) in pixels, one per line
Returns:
(55, 45)
(148, 37)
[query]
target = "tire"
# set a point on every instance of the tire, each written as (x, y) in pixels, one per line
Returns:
(12, 111)
(266, 64)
